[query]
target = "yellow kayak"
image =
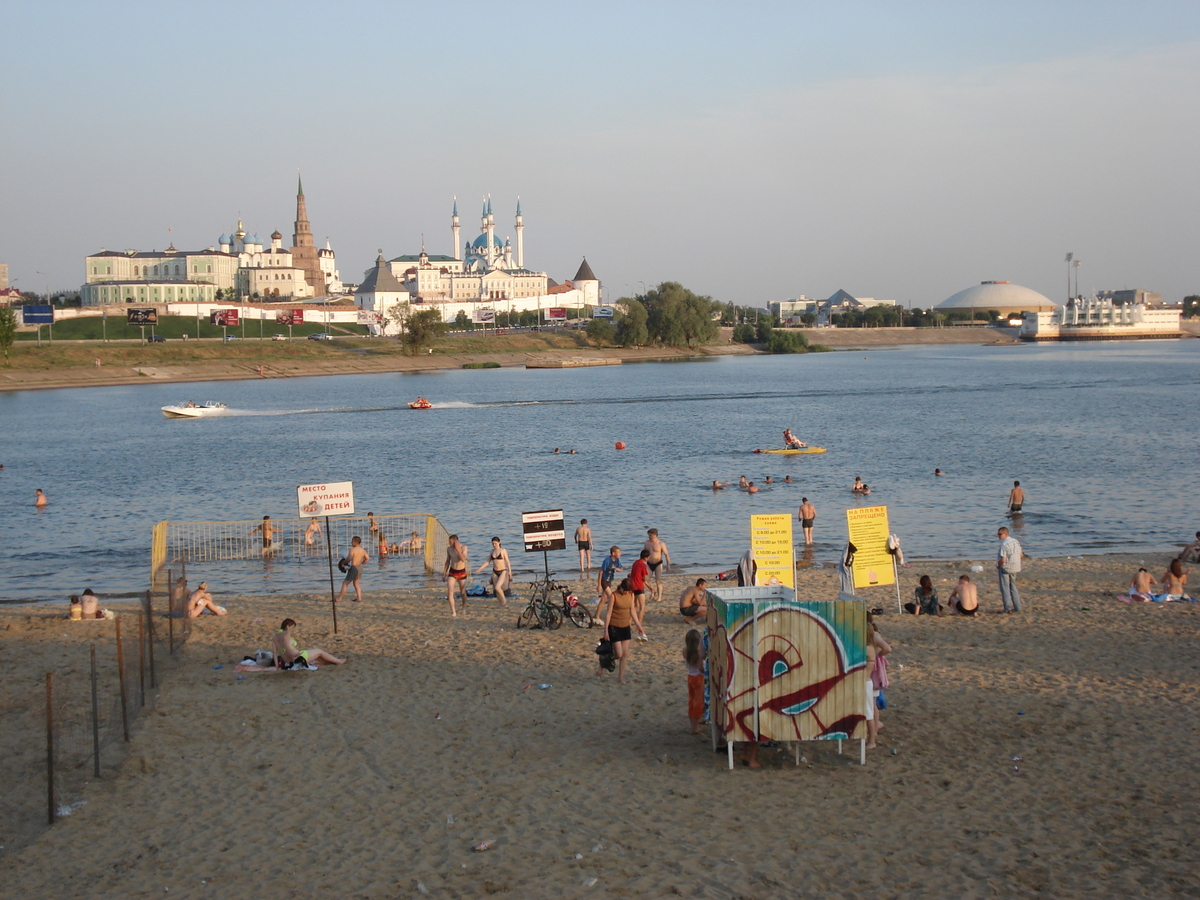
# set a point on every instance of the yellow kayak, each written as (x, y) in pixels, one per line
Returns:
(788, 452)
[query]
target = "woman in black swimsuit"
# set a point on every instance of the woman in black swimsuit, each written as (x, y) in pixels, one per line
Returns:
(501, 570)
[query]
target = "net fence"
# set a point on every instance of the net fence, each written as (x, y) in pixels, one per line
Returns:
(68, 728)
(174, 545)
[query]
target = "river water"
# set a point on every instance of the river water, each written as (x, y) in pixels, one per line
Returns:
(1102, 436)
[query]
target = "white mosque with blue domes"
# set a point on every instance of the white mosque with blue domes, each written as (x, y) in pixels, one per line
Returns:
(482, 274)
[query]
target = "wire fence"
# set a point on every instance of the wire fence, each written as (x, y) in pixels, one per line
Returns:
(67, 728)
(419, 536)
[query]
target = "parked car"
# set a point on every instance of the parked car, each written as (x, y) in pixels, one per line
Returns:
(279, 337)
(320, 336)
(157, 339)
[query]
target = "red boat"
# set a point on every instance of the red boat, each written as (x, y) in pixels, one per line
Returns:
(420, 403)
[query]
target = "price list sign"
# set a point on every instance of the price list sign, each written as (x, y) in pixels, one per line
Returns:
(543, 530)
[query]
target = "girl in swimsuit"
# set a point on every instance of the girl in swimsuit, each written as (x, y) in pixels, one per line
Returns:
(501, 570)
(1175, 581)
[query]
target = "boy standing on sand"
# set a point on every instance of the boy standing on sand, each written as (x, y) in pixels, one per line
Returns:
(357, 558)
(659, 557)
(608, 577)
(583, 540)
(638, 573)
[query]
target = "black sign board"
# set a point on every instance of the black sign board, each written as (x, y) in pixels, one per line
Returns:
(141, 316)
(543, 530)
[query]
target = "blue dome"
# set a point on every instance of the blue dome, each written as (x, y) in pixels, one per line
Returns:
(480, 243)
(224, 239)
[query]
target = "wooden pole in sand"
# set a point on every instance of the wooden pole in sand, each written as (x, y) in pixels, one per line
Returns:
(141, 660)
(150, 634)
(50, 746)
(329, 551)
(170, 613)
(121, 682)
(95, 718)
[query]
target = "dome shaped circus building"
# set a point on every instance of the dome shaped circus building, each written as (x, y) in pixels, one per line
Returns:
(1002, 296)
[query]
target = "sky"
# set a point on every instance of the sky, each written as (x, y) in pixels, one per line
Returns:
(750, 151)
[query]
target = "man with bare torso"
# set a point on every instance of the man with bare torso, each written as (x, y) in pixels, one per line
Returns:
(455, 573)
(807, 514)
(583, 540)
(964, 599)
(356, 559)
(268, 533)
(693, 604)
(1139, 589)
(1016, 498)
(659, 557)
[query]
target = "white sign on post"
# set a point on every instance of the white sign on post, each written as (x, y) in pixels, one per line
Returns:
(331, 499)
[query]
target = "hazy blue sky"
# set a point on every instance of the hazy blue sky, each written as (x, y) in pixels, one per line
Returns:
(752, 152)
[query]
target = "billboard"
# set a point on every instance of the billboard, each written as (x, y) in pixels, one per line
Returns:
(366, 317)
(543, 530)
(289, 317)
(39, 315)
(483, 316)
(225, 317)
(556, 314)
(603, 312)
(141, 316)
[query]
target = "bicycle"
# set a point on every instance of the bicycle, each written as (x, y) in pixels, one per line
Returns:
(540, 612)
(545, 612)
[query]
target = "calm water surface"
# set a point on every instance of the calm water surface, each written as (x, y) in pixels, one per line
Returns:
(1103, 437)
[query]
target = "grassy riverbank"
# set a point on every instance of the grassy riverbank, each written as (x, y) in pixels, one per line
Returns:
(74, 363)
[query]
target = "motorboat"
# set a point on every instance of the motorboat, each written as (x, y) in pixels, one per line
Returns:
(420, 403)
(193, 410)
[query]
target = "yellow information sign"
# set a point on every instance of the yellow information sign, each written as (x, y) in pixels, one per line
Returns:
(869, 534)
(771, 544)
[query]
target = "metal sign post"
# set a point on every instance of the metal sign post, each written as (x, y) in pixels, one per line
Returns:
(329, 499)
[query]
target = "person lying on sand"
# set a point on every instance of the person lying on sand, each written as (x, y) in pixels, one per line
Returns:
(287, 649)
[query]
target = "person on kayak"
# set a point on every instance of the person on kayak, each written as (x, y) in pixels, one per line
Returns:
(791, 442)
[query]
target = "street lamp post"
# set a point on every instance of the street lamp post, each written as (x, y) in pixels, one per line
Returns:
(1076, 265)
(1070, 256)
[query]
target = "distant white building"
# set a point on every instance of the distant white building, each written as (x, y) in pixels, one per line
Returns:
(482, 274)
(238, 263)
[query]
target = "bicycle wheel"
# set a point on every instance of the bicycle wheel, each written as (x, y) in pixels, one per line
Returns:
(549, 615)
(527, 619)
(579, 616)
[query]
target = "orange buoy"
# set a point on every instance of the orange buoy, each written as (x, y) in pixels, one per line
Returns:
(620, 445)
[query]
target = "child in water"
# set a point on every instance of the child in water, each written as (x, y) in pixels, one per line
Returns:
(693, 655)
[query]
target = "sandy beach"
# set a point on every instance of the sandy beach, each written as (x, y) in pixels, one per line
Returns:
(1047, 753)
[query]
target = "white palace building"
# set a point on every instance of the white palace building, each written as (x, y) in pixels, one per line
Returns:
(483, 276)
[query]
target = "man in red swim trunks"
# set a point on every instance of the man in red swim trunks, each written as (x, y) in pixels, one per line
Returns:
(638, 573)
(455, 572)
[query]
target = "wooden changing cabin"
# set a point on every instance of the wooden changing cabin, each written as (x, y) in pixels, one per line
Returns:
(786, 670)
